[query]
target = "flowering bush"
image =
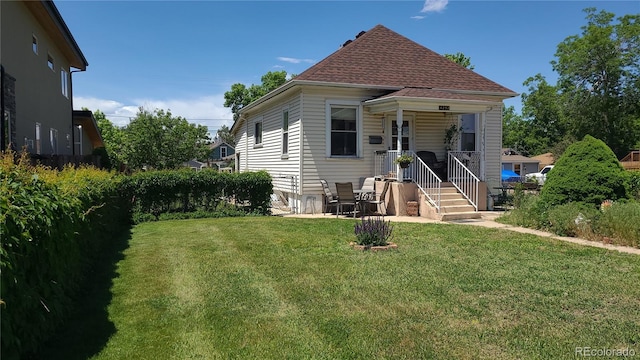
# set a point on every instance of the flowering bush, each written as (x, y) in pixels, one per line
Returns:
(373, 231)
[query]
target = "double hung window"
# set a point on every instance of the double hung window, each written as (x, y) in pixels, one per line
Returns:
(343, 130)
(285, 132)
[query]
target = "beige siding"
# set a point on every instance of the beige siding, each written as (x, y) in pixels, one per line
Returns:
(430, 129)
(493, 147)
(38, 89)
(268, 155)
(316, 163)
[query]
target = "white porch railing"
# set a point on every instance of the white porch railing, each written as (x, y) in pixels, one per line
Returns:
(463, 178)
(470, 159)
(426, 180)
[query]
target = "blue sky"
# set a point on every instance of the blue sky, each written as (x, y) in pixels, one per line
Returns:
(183, 55)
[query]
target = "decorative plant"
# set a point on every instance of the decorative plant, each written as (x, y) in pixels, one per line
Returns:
(373, 231)
(451, 136)
(404, 159)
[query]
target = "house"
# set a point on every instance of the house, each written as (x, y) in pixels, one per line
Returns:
(519, 164)
(221, 151)
(631, 161)
(39, 55)
(544, 159)
(345, 118)
(221, 155)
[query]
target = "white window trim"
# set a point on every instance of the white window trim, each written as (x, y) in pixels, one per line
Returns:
(359, 127)
(477, 131)
(36, 43)
(411, 118)
(261, 121)
(64, 80)
(53, 62)
(38, 138)
(282, 152)
(225, 151)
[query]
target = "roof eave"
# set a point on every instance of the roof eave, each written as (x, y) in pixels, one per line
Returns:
(392, 103)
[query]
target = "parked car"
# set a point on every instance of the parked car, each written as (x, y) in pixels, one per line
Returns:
(539, 176)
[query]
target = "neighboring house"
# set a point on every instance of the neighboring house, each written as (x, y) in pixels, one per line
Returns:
(545, 159)
(631, 161)
(195, 165)
(39, 54)
(86, 135)
(221, 152)
(521, 165)
(345, 117)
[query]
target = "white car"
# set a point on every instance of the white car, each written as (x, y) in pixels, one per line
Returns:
(540, 176)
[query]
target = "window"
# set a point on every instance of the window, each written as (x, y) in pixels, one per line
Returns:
(64, 80)
(77, 137)
(68, 137)
(258, 133)
(223, 152)
(50, 61)
(468, 135)
(343, 131)
(285, 132)
(6, 141)
(53, 140)
(34, 44)
(38, 143)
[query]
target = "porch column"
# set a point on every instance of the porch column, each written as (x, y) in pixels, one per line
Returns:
(399, 143)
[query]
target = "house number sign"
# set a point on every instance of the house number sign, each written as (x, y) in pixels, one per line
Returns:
(443, 107)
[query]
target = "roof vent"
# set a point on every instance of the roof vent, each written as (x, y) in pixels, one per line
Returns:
(360, 34)
(347, 43)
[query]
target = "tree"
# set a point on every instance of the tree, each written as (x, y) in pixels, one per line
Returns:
(113, 138)
(224, 134)
(514, 130)
(161, 141)
(587, 172)
(460, 59)
(240, 95)
(599, 79)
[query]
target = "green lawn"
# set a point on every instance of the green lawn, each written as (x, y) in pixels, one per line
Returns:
(277, 288)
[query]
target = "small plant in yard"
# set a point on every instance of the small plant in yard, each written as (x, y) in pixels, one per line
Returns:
(404, 160)
(373, 231)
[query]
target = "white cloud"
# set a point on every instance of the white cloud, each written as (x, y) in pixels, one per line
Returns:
(204, 110)
(417, 17)
(434, 5)
(295, 61)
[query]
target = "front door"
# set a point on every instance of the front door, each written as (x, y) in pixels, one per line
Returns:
(407, 133)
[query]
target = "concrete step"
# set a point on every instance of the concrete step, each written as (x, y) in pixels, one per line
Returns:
(454, 201)
(456, 209)
(460, 216)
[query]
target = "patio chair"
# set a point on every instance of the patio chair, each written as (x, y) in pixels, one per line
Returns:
(368, 188)
(346, 197)
(381, 199)
(329, 199)
(430, 159)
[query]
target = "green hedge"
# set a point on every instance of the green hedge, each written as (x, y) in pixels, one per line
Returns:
(52, 225)
(170, 191)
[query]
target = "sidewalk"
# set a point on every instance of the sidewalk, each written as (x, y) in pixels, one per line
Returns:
(487, 220)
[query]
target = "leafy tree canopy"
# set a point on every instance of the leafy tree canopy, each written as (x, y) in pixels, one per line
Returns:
(460, 59)
(598, 88)
(161, 141)
(224, 134)
(240, 95)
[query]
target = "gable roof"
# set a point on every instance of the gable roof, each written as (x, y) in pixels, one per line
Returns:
(214, 145)
(382, 57)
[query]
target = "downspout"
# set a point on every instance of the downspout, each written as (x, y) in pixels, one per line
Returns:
(301, 142)
(73, 133)
(3, 130)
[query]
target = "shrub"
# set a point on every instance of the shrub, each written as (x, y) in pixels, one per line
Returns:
(573, 219)
(531, 212)
(633, 179)
(373, 231)
(587, 172)
(53, 224)
(620, 223)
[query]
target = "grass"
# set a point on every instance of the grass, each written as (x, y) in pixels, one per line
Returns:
(281, 288)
